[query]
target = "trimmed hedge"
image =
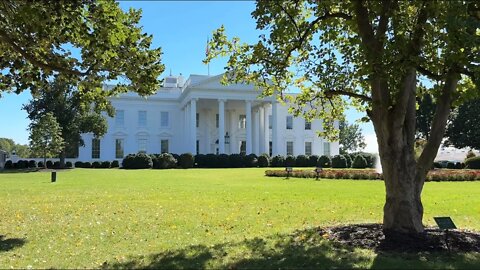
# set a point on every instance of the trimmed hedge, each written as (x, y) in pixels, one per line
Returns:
(115, 164)
(339, 161)
(324, 162)
(250, 161)
(290, 161)
(186, 161)
(473, 163)
(302, 161)
(137, 161)
(263, 160)
(278, 161)
(164, 161)
(68, 164)
(359, 162)
(313, 160)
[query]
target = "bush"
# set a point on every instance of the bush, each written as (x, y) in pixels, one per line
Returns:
(186, 161)
(78, 164)
(459, 165)
(473, 163)
(21, 164)
(115, 164)
(105, 164)
(164, 161)
(278, 161)
(349, 160)
(470, 154)
(302, 161)
(263, 160)
(96, 164)
(49, 164)
(32, 164)
(211, 161)
(223, 161)
(324, 162)
(40, 164)
(339, 161)
(370, 158)
(87, 164)
(199, 161)
(312, 160)
(359, 162)
(176, 157)
(290, 161)
(68, 164)
(236, 160)
(8, 165)
(137, 161)
(437, 165)
(450, 165)
(250, 160)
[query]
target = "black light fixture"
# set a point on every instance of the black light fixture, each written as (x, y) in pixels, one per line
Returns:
(227, 138)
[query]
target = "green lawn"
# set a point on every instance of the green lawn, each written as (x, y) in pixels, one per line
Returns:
(214, 218)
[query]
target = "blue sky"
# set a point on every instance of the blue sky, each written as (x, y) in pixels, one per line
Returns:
(181, 29)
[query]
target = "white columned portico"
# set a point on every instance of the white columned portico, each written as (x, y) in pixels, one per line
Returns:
(233, 128)
(248, 112)
(221, 126)
(266, 130)
(274, 128)
(256, 133)
(193, 126)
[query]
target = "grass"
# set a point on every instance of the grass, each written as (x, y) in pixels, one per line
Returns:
(212, 218)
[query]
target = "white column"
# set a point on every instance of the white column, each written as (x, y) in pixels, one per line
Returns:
(266, 130)
(187, 128)
(207, 145)
(256, 134)
(248, 112)
(261, 131)
(193, 126)
(233, 128)
(221, 126)
(274, 128)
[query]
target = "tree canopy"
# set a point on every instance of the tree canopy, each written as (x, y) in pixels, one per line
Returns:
(463, 129)
(85, 41)
(46, 136)
(351, 138)
(376, 53)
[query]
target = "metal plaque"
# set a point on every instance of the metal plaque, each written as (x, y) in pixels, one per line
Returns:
(445, 223)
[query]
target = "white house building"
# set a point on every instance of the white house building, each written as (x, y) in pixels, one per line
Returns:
(200, 115)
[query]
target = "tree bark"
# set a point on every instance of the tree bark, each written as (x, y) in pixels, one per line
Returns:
(62, 159)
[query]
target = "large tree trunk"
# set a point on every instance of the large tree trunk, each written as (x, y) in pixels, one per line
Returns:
(62, 159)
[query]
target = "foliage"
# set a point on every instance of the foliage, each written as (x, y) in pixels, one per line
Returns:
(473, 163)
(237, 160)
(186, 160)
(251, 160)
(463, 130)
(45, 136)
(470, 154)
(115, 164)
(278, 161)
(425, 111)
(312, 160)
(324, 162)
(32, 164)
(41, 164)
(339, 161)
(290, 161)
(68, 164)
(223, 161)
(49, 164)
(8, 164)
(137, 161)
(302, 161)
(85, 42)
(263, 160)
(164, 161)
(349, 160)
(351, 138)
(359, 162)
(78, 164)
(9, 146)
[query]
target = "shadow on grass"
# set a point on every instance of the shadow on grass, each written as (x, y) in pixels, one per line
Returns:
(11, 171)
(300, 249)
(10, 243)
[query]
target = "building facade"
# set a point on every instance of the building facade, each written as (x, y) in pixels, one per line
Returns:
(200, 115)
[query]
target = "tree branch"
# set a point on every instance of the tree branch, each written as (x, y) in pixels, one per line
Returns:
(430, 74)
(330, 93)
(4, 37)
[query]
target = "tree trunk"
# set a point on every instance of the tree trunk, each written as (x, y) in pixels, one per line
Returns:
(62, 159)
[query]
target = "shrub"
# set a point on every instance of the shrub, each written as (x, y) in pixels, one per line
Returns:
(96, 164)
(49, 164)
(312, 160)
(290, 161)
(263, 160)
(324, 162)
(236, 160)
(250, 160)
(176, 157)
(105, 164)
(165, 161)
(211, 161)
(21, 164)
(56, 164)
(278, 161)
(359, 162)
(186, 161)
(459, 165)
(137, 161)
(68, 164)
(370, 158)
(32, 164)
(8, 164)
(339, 161)
(223, 161)
(87, 164)
(470, 154)
(349, 160)
(437, 165)
(40, 164)
(302, 161)
(199, 161)
(450, 165)
(115, 164)
(78, 164)
(473, 163)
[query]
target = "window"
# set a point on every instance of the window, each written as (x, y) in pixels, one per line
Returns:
(242, 121)
(197, 119)
(270, 121)
(326, 148)
(217, 120)
(120, 118)
(308, 125)
(289, 122)
(243, 147)
(95, 148)
(198, 147)
(142, 145)
(163, 146)
(270, 148)
(142, 118)
(308, 148)
(163, 119)
(118, 148)
(289, 148)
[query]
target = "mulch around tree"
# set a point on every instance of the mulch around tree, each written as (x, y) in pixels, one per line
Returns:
(371, 236)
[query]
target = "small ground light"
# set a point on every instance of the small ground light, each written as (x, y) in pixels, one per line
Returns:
(54, 176)
(318, 171)
(288, 170)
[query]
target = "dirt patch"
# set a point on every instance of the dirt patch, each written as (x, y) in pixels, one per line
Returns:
(371, 236)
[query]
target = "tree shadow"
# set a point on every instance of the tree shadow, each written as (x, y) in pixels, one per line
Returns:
(7, 244)
(14, 171)
(306, 249)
